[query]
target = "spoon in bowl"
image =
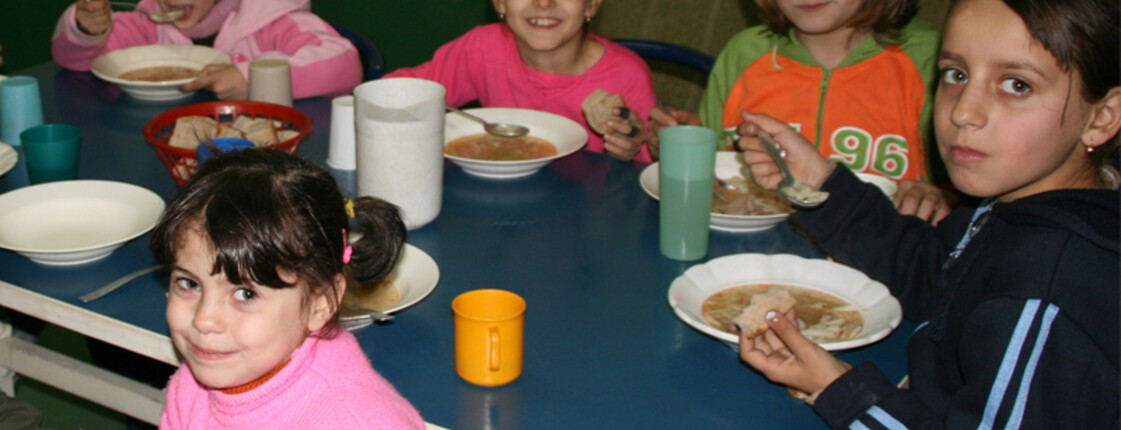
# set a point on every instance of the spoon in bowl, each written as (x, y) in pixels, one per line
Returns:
(156, 17)
(793, 189)
(500, 129)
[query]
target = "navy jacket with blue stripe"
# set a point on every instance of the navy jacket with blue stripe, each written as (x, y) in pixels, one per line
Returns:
(1019, 331)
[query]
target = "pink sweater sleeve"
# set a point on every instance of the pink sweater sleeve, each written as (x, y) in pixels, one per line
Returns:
(453, 66)
(75, 50)
(323, 63)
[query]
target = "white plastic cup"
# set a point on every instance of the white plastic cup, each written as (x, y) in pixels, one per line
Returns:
(340, 153)
(270, 81)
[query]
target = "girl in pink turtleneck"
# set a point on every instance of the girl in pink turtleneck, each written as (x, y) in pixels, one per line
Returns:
(259, 257)
(323, 63)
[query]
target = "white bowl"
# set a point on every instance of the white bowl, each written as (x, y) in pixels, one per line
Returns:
(726, 167)
(110, 66)
(880, 310)
(568, 136)
(74, 222)
(888, 186)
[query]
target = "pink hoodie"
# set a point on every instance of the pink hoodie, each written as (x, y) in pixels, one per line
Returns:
(323, 63)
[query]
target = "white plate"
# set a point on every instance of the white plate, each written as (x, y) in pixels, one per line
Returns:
(880, 310)
(8, 158)
(726, 167)
(568, 136)
(416, 275)
(110, 66)
(74, 222)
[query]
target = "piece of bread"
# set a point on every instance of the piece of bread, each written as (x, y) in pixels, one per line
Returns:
(191, 130)
(753, 319)
(599, 107)
(261, 132)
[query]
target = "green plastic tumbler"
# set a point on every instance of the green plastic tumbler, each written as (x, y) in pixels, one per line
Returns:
(51, 151)
(685, 177)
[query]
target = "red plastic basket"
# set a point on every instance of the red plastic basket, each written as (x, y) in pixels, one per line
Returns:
(182, 163)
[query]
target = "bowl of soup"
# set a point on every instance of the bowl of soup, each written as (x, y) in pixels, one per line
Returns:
(838, 307)
(550, 137)
(155, 72)
(746, 207)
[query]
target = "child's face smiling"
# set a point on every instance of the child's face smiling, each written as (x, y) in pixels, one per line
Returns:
(546, 25)
(231, 334)
(194, 10)
(1008, 119)
(820, 17)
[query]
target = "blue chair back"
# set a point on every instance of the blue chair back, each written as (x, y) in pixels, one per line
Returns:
(669, 52)
(373, 65)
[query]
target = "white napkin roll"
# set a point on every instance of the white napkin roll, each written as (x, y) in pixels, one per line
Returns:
(399, 124)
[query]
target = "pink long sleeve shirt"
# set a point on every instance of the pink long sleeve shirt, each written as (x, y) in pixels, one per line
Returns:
(323, 63)
(484, 65)
(328, 384)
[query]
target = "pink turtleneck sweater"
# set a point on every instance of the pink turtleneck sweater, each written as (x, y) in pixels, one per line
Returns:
(327, 384)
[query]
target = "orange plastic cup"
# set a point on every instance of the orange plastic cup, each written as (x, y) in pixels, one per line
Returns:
(489, 331)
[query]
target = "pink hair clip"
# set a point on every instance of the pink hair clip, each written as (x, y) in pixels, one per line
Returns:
(348, 251)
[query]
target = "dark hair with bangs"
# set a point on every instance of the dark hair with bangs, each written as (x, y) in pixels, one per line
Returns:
(1083, 36)
(885, 18)
(265, 211)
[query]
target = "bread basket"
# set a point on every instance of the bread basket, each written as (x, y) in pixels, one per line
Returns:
(182, 162)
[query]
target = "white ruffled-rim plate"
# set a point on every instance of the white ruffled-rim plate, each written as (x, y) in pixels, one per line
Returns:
(567, 135)
(726, 167)
(74, 222)
(8, 158)
(880, 310)
(111, 65)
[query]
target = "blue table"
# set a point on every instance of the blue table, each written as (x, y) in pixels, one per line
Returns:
(578, 240)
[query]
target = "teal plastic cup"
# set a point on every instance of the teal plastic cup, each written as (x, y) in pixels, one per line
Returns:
(20, 107)
(52, 152)
(685, 178)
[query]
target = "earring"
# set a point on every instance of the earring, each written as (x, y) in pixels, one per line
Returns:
(1090, 146)
(501, 17)
(587, 19)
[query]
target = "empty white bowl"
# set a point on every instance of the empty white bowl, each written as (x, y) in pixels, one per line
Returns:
(73, 222)
(110, 66)
(567, 135)
(880, 310)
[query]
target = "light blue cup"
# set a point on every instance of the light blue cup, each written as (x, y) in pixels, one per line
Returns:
(685, 178)
(20, 107)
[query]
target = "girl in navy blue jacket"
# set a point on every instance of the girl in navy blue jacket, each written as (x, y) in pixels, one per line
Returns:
(1017, 299)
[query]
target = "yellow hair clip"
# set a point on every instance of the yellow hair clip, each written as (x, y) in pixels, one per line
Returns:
(348, 205)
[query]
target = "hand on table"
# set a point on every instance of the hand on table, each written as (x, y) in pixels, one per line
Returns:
(660, 118)
(224, 80)
(786, 357)
(626, 139)
(924, 200)
(94, 16)
(805, 163)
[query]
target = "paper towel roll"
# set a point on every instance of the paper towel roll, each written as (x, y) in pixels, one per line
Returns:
(399, 125)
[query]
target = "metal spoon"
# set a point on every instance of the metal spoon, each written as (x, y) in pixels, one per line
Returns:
(498, 129)
(156, 17)
(794, 190)
(110, 287)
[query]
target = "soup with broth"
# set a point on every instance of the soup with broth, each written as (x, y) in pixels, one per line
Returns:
(495, 148)
(160, 73)
(822, 317)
